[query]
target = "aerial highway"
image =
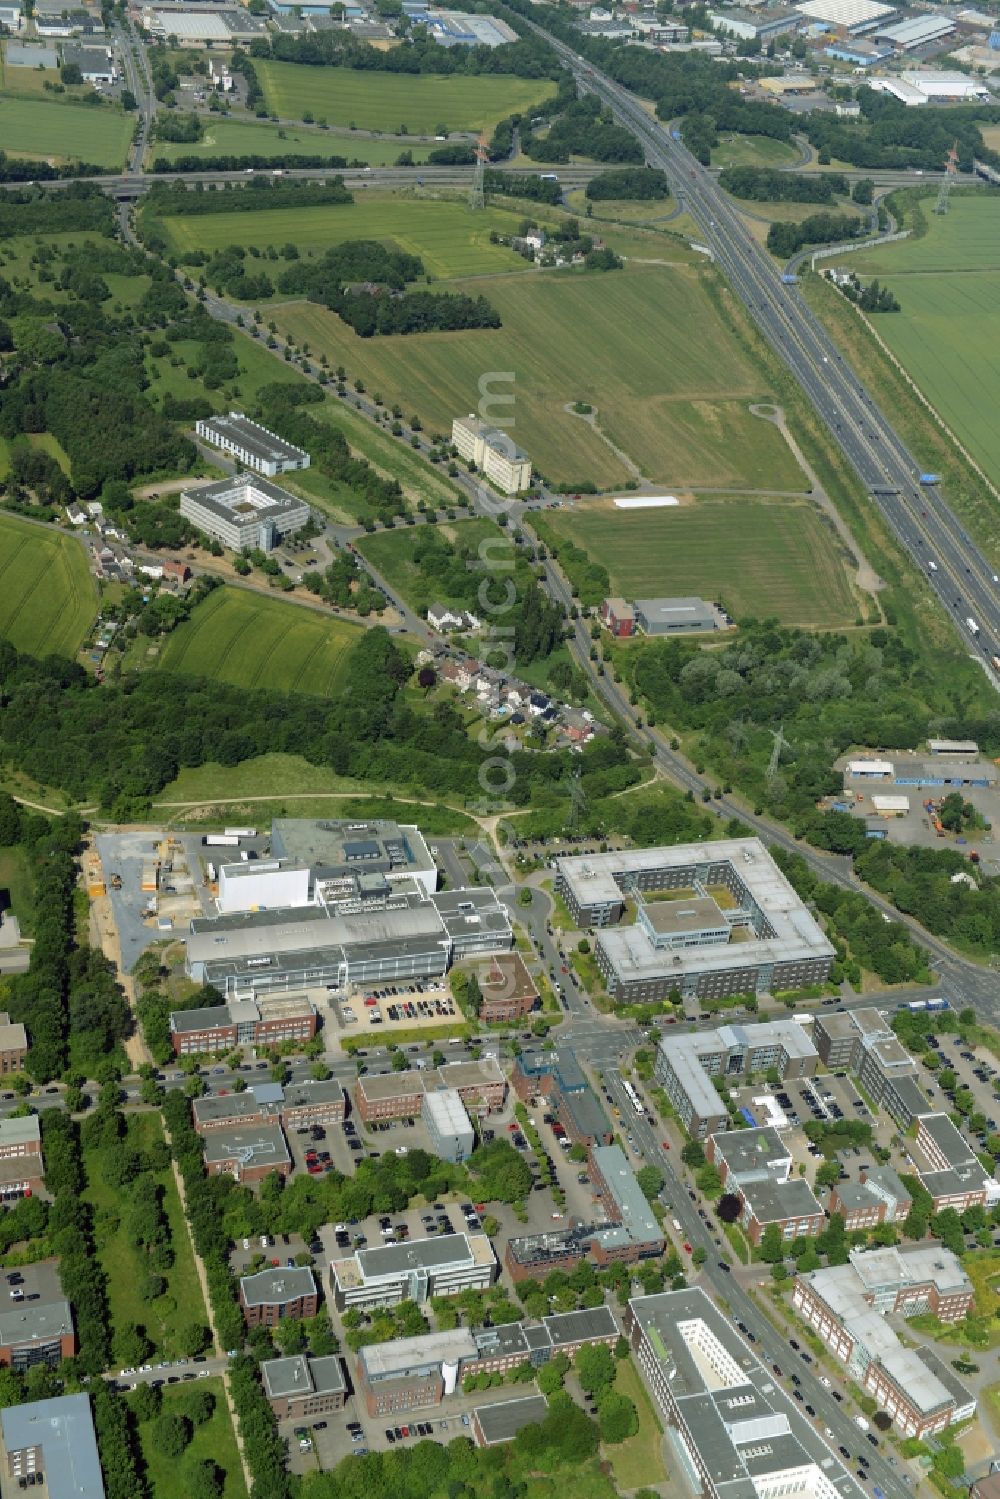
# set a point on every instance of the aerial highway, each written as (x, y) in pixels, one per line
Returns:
(919, 516)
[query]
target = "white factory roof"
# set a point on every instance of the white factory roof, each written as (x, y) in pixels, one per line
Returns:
(192, 26)
(891, 803)
(845, 12)
(870, 767)
(947, 85)
(904, 92)
(916, 30)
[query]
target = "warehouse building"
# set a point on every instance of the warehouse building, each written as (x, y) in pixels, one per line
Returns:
(847, 1305)
(96, 64)
(495, 454)
(52, 1443)
(415, 1271)
(854, 17)
(262, 884)
(916, 31)
(243, 513)
(678, 616)
(752, 935)
(685, 1066)
(454, 28)
(754, 25)
(410, 1373)
(252, 445)
(449, 1128)
(732, 1428)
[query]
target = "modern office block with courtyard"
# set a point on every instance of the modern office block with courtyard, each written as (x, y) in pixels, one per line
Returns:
(414, 1271)
(244, 512)
(252, 445)
(732, 1429)
(710, 920)
(847, 1306)
(685, 1066)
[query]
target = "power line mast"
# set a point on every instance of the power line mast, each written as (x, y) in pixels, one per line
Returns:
(950, 170)
(780, 743)
(577, 799)
(477, 192)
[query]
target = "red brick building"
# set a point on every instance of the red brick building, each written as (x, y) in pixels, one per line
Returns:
(275, 1295)
(509, 992)
(480, 1085)
(243, 1022)
(619, 617)
(301, 1386)
(248, 1153)
(13, 1045)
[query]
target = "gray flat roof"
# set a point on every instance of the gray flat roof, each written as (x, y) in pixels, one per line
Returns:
(276, 1285)
(419, 1254)
(299, 1095)
(587, 1113)
(64, 1429)
(637, 1217)
(591, 1322)
(675, 611)
(263, 1144)
(245, 497)
(772, 1201)
(34, 1322)
(215, 1017)
(233, 1106)
(952, 1145)
(334, 845)
(267, 446)
(23, 1131)
(502, 1421)
(301, 1375)
(746, 1149)
(405, 1355)
(680, 916)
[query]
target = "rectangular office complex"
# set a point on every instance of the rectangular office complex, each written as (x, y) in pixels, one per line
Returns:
(244, 513)
(734, 1430)
(51, 1443)
(847, 1306)
(711, 920)
(302, 1386)
(253, 445)
(285, 1017)
(494, 453)
(685, 1066)
(480, 1084)
(414, 1271)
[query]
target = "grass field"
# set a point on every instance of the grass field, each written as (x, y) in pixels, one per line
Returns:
(182, 1301)
(948, 286)
(386, 101)
(753, 151)
(449, 240)
(44, 129)
(391, 554)
(213, 1442)
(645, 346)
(47, 596)
(759, 556)
(639, 1459)
(17, 879)
(251, 641)
(236, 138)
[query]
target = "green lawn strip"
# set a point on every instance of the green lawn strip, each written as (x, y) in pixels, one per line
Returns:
(16, 878)
(182, 1301)
(214, 1441)
(639, 1459)
(245, 138)
(934, 449)
(752, 151)
(386, 101)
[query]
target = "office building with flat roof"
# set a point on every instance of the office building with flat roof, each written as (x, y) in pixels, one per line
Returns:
(508, 989)
(558, 1076)
(303, 1386)
(711, 920)
(51, 1443)
(749, 1155)
(252, 445)
(414, 1271)
(948, 1167)
(36, 1324)
(686, 1064)
(633, 1226)
(791, 1206)
(501, 1422)
(244, 513)
(247, 1153)
(413, 1372)
(13, 1045)
(449, 1128)
(20, 1137)
(847, 1306)
(734, 1430)
(272, 1295)
(337, 850)
(480, 1084)
(879, 1197)
(494, 453)
(220, 1028)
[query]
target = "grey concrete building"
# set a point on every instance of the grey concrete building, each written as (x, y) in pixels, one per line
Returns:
(244, 512)
(675, 616)
(253, 445)
(449, 1128)
(52, 1443)
(414, 1271)
(686, 1064)
(301, 1386)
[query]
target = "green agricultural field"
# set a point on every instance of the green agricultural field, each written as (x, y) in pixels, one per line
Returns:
(252, 641)
(449, 240)
(753, 151)
(43, 129)
(948, 285)
(386, 101)
(647, 347)
(760, 556)
(47, 596)
(237, 138)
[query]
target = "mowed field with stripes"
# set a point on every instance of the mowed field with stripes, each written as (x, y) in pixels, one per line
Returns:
(249, 641)
(48, 599)
(948, 285)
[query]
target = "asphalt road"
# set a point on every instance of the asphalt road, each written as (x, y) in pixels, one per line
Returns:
(920, 518)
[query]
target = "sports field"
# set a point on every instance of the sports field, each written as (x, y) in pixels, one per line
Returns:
(449, 239)
(42, 129)
(420, 103)
(234, 138)
(250, 641)
(645, 346)
(948, 286)
(47, 597)
(760, 556)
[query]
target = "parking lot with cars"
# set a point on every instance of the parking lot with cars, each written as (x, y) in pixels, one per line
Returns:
(397, 1007)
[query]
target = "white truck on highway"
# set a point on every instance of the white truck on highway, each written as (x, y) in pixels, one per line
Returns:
(861, 1423)
(973, 627)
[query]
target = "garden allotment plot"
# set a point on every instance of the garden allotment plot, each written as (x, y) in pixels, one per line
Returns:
(946, 336)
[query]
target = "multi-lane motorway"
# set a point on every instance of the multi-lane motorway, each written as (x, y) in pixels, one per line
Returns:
(919, 516)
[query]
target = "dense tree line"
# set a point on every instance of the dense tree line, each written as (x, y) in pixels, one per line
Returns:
(253, 161)
(511, 185)
(584, 128)
(71, 1239)
(346, 585)
(589, 579)
(352, 260)
(116, 1445)
(24, 169)
(762, 185)
(81, 206)
(890, 135)
(177, 126)
(529, 57)
(636, 183)
(370, 313)
(784, 240)
(262, 193)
